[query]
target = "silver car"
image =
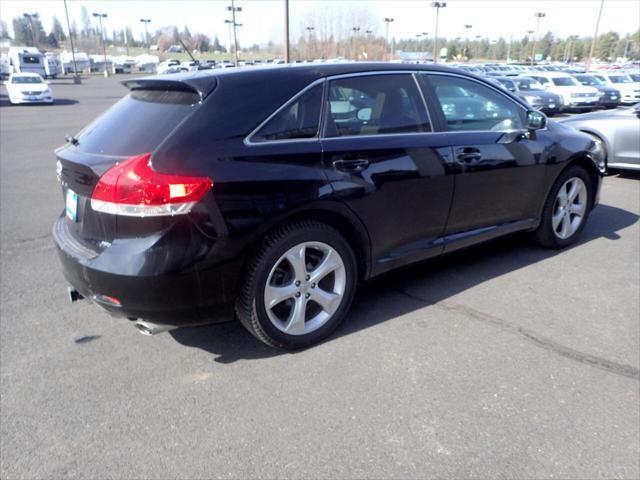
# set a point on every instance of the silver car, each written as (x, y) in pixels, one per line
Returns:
(617, 131)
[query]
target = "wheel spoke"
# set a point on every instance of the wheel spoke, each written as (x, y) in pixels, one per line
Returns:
(327, 300)
(566, 226)
(562, 195)
(298, 262)
(295, 323)
(577, 209)
(330, 263)
(556, 219)
(574, 190)
(275, 295)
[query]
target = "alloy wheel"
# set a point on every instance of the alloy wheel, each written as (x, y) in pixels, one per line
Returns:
(305, 288)
(569, 208)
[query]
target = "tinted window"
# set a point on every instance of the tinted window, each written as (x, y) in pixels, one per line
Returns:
(619, 79)
(300, 119)
(525, 84)
(565, 81)
(27, 80)
(588, 80)
(138, 123)
(468, 105)
(375, 105)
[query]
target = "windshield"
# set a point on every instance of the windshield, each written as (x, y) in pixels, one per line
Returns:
(589, 80)
(635, 77)
(619, 79)
(528, 84)
(27, 80)
(564, 81)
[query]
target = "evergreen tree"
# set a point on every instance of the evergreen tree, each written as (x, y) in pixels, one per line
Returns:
(57, 30)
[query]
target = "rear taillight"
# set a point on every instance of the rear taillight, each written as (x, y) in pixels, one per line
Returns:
(132, 188)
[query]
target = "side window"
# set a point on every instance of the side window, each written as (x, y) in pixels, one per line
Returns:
(299, 119)
(375, 105)
(468, 105)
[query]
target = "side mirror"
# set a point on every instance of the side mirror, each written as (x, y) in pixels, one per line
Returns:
(535, 120)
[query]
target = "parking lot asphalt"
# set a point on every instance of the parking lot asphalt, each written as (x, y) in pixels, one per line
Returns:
(504, 361)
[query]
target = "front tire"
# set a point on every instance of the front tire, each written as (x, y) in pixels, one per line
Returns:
(566, 209)
(298, 286)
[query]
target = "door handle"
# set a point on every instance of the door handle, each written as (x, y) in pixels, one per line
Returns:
(468, 155)
(350, 163)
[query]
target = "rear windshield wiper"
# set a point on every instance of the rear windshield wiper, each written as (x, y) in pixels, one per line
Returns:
(71, 139)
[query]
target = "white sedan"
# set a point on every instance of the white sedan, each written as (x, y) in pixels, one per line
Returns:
(28, 88)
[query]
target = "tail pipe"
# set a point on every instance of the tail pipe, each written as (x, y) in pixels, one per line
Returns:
(148, 328)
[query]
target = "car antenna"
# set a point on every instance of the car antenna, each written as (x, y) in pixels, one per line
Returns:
(188, 51)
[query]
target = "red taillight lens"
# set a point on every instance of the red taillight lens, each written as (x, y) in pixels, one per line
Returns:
(133, 188)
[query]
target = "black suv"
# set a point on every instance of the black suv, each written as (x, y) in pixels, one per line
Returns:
(271, 193)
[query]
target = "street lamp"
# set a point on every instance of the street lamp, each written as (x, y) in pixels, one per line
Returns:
(466, 40)
(146, 34)
(229, 23)
(418, 35)
(233, 9)
(426, 38)
(478, 37)
(309, 30)
(76, 77)
(30, 17)
(104, 45)
(355, 31)
(539, 16)
(388, 20)
(437, 6)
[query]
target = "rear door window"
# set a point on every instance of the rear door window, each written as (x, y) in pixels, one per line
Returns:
(375, 105)
(298, 119)
(138, 123)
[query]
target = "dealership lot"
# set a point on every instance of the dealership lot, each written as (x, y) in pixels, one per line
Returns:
(505, 360)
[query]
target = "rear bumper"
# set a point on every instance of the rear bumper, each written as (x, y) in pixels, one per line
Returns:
(118, 280)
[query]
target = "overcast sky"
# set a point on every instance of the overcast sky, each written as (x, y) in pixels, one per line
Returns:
(263, 19)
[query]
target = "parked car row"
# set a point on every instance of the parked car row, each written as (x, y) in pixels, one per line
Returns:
(556, 88)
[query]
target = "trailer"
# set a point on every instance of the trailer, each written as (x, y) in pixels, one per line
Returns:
(27, 60)
(52, 65)
(82, 62)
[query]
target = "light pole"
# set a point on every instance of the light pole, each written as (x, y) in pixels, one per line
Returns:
(229, 23)
(233, 9)
(437, 6)
(355, 31)
(104, 45)
(388, 20)
(467, 27)
(309, 30)
(478, 37)
(76, 77)
(595, 39)
(425, 35)
(287, 52)
(539, 16)
(418, 35)
(368, 32)
(146, 34)
(30, 17)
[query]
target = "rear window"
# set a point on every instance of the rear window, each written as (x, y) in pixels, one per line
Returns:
(138, 123)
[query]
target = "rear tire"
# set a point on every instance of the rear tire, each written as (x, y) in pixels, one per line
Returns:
(298, 286)
(566, 209)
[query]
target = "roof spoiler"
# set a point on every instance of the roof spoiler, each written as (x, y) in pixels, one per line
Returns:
(202, 85)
